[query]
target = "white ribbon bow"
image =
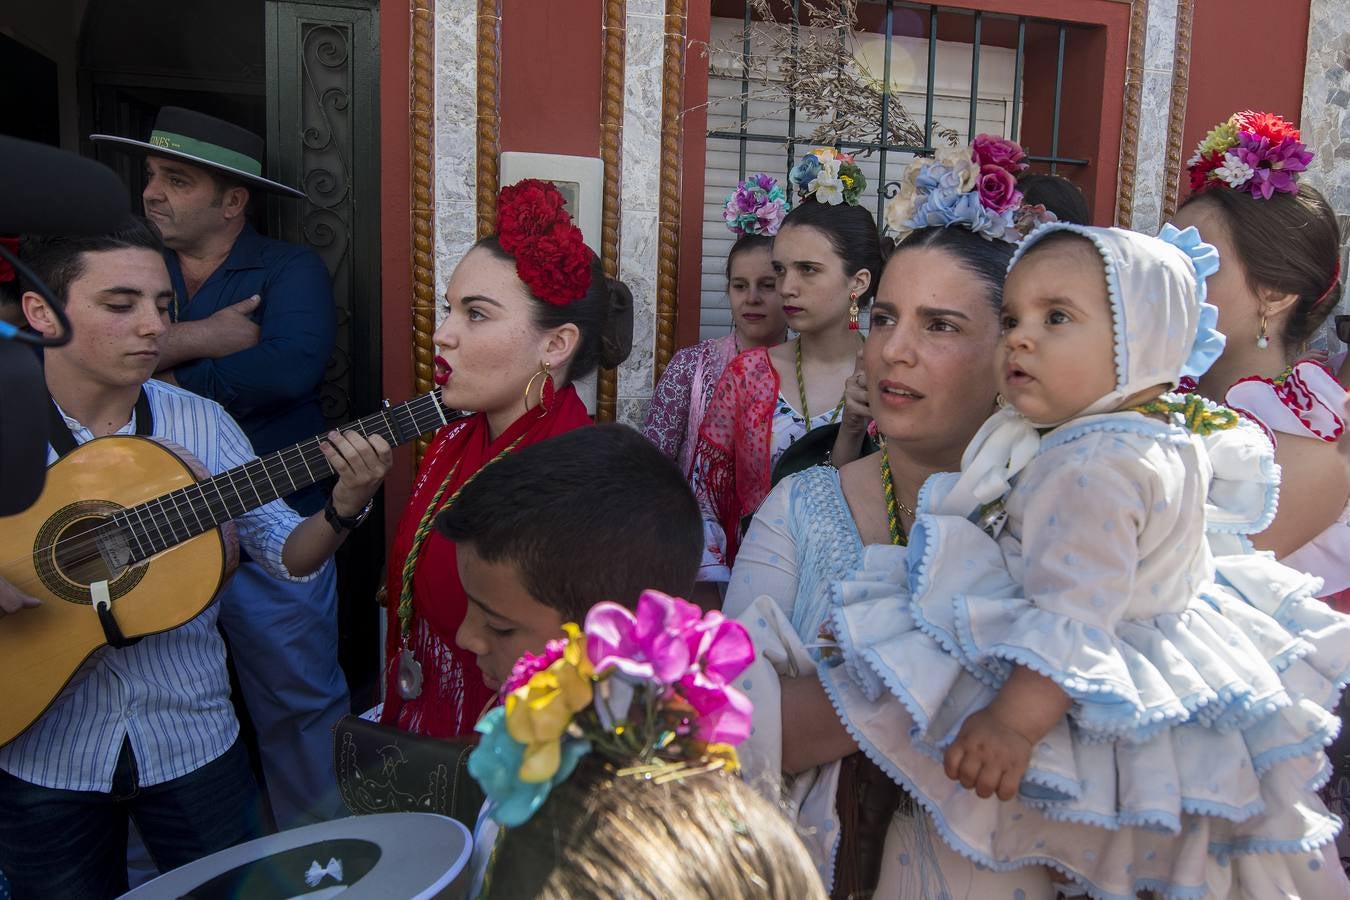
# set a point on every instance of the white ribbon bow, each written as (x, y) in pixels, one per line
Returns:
(316, 872)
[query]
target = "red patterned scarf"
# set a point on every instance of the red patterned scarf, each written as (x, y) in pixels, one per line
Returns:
(732, 465)
(453, 694)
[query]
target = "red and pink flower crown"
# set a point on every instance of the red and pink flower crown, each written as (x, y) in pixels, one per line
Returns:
(1256, 152)
(534, 226)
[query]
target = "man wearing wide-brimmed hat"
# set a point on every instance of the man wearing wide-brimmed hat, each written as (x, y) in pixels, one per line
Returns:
(254, 325)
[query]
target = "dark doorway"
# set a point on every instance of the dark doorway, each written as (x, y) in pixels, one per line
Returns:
(28, 93)
(257, 63)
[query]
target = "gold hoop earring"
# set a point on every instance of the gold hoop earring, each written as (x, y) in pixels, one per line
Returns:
(544, 388)
(1262, 341)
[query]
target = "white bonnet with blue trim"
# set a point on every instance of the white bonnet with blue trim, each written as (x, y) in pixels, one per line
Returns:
(1164, 329)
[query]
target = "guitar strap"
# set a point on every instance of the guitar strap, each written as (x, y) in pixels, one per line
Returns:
(63, 442)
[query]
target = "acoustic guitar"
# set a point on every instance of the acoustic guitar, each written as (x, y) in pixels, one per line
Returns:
(125, 541)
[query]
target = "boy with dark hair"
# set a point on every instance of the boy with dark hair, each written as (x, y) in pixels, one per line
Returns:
(545, 533)
(145, 731)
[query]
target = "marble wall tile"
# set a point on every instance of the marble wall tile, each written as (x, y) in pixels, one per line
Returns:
(646, 8)
(1326, 115)
(1150, 171)
(456, 230)
(639, 182)
(640, 164)
(637, 269)
(455, 134)
(631, 412)
(1155, 99)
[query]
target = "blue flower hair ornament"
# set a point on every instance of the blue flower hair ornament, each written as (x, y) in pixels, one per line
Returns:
(497, 759)
(1209, 341)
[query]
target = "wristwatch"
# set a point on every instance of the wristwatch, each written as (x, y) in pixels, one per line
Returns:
(339, 523)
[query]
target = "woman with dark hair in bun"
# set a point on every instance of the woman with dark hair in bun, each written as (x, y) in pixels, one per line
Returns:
(528, 311)
(826, 256)
(1279, 278)
(754, 212)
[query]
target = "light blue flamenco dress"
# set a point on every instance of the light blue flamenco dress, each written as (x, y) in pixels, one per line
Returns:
(1203, 676)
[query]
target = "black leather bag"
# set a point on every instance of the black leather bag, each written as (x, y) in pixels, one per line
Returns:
(382, 769)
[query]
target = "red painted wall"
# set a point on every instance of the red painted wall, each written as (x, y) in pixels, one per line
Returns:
(693, 152)
(550, 80)
(1245, 54)
(396, 237)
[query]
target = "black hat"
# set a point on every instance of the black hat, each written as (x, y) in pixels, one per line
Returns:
(207, 142)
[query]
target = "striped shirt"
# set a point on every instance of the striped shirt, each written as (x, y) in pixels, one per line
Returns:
(169, 694)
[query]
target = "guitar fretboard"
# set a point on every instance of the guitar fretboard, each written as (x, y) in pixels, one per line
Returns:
(164, 522)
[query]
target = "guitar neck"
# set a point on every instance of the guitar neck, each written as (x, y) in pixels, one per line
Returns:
(156, 525)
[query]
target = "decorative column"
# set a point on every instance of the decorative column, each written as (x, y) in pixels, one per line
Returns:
(640, 174)
(1325, 122)
(1157, 86)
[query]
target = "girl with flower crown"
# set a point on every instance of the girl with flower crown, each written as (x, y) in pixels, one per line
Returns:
(528, 311)
(928, 384)
(1070, 676)
(826, 256)
(754, 212)
(1281, 277)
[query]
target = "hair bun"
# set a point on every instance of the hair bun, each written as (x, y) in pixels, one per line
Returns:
(616, 337)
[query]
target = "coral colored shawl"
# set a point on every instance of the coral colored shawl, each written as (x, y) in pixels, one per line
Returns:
(732, 464)
(453, 694)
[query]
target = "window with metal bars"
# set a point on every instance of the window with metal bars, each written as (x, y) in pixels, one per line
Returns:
(886, 80)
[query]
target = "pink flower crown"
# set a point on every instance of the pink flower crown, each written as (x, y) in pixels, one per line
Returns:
(648, 690)
(1256, 152)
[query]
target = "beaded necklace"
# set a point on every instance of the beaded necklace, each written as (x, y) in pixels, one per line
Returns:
(893, 504)
(801, 389)
(409, 669)
(1198, 417)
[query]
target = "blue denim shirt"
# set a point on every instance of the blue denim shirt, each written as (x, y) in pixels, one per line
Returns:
(272, 388)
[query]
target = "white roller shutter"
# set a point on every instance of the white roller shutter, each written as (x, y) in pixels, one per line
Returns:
(951, 109)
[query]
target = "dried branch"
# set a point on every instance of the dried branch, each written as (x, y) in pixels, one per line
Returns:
(817, 71)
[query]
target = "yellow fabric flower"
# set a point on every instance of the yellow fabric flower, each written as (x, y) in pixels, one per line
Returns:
(538, 713)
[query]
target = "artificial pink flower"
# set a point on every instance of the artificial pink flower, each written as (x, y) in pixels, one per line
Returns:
(721, 650)
(989, 150)
(725, 715)
(649, 646)
(527, 665)
(998, 189)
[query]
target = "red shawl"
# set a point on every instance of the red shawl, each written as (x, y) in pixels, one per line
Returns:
(453, 693)
(731, 465)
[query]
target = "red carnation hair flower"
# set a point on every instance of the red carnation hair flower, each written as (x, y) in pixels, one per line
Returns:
(534, 227)
(1267, 125)
(1200, 170)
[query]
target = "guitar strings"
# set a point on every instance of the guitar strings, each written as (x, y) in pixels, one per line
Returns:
(87, 548)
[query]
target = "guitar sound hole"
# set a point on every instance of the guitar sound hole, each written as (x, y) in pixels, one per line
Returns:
(77, 556)
(67, 553)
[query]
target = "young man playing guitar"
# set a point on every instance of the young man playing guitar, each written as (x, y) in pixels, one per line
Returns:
(145, 731)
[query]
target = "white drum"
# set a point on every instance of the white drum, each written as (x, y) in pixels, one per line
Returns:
(404, 854)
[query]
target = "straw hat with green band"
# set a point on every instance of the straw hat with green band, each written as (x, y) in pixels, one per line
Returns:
(208, 142)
